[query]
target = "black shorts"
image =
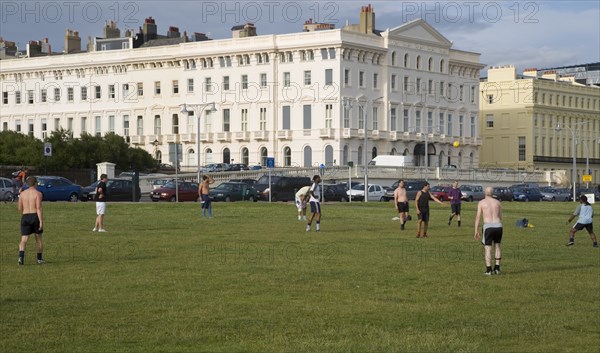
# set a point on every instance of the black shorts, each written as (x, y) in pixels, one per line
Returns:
(402, 206)
(315, 207)
(455, 208)
(588, 227)
(424, 216)
(205, 201)
(492, 235)
(30, 224)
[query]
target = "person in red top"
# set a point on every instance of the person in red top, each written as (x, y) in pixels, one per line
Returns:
(21, 177)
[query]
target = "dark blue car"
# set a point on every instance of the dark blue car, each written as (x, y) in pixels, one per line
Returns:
(55, 188)
(527, 194)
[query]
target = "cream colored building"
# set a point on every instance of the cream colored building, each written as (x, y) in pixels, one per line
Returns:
(528, 121)
(304, 98)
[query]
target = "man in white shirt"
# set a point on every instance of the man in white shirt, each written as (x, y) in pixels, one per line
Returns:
(315, 203)
(585, 212)
(301, 201)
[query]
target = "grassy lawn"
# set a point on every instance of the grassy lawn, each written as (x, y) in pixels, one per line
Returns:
(252, 280)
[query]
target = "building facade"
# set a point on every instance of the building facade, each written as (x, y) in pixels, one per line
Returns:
(305, 98)
(528, 122)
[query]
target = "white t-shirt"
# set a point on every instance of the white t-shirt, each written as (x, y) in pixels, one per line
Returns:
(585, 213)
(315, 189)
(302, 191)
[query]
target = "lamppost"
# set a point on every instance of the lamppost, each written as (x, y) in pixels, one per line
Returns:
(198, 109)
(574, 174)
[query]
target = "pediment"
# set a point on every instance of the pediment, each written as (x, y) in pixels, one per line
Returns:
(420, 31)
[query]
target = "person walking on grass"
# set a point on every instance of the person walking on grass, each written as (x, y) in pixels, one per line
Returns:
(301, 200)
(585, 212)
(204, 190)
(455, 202)
(422, 205)
(315, 204)
(401, 202)
(491, 211)
(32, 220)
(100, 204)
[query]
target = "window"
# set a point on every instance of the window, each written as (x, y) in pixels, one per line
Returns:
(405, 120)
(98, 130)
(111, 123)
(244, 120)
(157, 125)
(226, 83)
(472, 94)
(286, 79)
(125, 90)
(175, 87)
(226, 120)
(328, 115)
(418, 62)
(393, 82)
(98, 92)
(126, 125)
(442, 85)
(473, 127)
(346, 118)
(429, 122)
(361, 117)
(263, 119)
(140, 125)
(140, 89)
(30, 131)
(375, 79)
(324, 55)
(287, 156)
(489, 120)
(157, 88)
(30, 95)
(490, 98)
(406, 60)
(430, 64)
(111, 91)
(331, 53)
(430, 87)
(375, 118)
(18, 126)
(190, 85)
(405, 83)
(346, 77)
(83, 94)
(461, 93)
(244, 81)
(307, 78)
(393, 123)
(418, 85)
(418, 121)
(207, 84)
(18, 97)
(442, 65)
(441, 122)
(83, 126)
(57, 95)
(4, 97)
(286, 118)
(328, 77)
(307, 117)
(522, 148)
(263, 80)
(361, 79)
(450, 132)
(461, 123)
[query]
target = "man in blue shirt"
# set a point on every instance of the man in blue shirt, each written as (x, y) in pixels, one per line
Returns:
(585, 212)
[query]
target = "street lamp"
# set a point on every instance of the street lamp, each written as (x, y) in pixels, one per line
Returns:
(574, 174)
(198, 109)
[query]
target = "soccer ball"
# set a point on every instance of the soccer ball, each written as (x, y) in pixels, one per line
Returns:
(456, 144)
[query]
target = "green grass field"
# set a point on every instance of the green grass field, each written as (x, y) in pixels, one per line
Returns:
(252, 280)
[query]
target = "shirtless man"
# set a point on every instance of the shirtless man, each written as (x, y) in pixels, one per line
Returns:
(30, 207)
(492, 229)
(203, 191)
(401, 202)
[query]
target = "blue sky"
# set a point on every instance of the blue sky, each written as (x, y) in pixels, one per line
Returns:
(526, 33)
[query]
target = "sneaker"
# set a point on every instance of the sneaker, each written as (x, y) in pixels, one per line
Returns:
(95, 229)
(101, 230)
(488, 273)
(308, 228)
(418, 235)
(497, 271)
(40, 262)
(402, 227)
(21, 261)
(449, 221)
(299, 218)
(571, 242)
(424, 235)
(304, 218)
(318, 229)
(595, 245)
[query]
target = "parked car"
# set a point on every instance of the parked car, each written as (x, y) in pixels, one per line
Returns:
(412, 188)
(527, 194)
(214, 167)
(441, 192)
(502, 193)
(374, 192)
(8, 189)
(230, 191)
(159, 183)
(472, 192)
(335, 192)
(116, 190)
(283, 188)
(249, 182)
(188, 191)
(129, 175)
(55, 188)
(555, 194)
(588, 191)
(236, 167)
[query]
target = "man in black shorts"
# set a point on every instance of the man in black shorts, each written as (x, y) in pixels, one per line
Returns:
(455, 196)
(30, 206)
(422, 205)
(491, 211)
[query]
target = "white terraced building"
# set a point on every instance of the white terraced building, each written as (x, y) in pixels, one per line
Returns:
(304, 98)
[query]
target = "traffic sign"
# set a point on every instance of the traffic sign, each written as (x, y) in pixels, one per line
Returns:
(587, 178)
(270, 162)
(48, 149)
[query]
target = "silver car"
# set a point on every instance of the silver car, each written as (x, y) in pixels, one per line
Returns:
(472, 192)
(8, 190)
(556, 194)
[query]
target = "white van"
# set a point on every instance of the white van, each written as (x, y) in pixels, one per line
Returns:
(392, 161)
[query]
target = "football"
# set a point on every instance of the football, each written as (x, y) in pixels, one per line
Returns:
(456, 144)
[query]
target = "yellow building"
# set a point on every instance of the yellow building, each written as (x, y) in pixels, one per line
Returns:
(528, 122)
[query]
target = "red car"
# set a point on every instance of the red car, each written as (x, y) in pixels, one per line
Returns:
(441, 192)
(188, 191)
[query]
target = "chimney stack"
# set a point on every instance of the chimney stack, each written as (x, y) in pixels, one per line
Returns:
(149, 29)
(367, 20)
(72, 42)
(111, 30)
(173, 32)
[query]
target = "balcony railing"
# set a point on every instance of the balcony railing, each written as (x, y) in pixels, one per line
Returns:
(187, 137)
(137, 140)
(242, 135)
(206, 136)
(284, 134)
(224, 136)
(261, 135)
(327, 133)
(350, 133)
